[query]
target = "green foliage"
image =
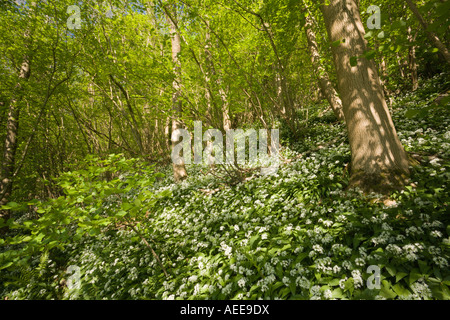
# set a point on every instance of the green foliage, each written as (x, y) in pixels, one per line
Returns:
(103, 195)
(296, 235)
(107, 88)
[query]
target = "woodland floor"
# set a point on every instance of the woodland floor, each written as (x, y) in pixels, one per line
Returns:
(298, 234)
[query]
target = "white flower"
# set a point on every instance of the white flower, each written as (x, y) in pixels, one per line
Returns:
(227, 249)
(436, 234)
(328, 223)
(318, 248)
(302, 282)
(435, 162)
(358, 281)
(315, 291)
(336, 269)
(441, 262)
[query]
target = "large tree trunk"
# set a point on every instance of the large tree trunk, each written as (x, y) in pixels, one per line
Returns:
(379, 162)
(10, 146)
(322, 76)
(179, 170)
(431, 35)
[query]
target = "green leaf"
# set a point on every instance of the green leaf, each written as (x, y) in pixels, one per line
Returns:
(349, 285)
(337, 294)
(353, 61)
(253, 243)
(127, 206)
(392, 271)
(334, 282)
(292, 287)
(121, 213)
(414, 276)
(6, 265)
(400, 290)
(400, 275)
(386, 291)
(424, 267)
(368, 35)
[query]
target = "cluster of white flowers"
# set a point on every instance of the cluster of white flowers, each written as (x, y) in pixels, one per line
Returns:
(219, 224)
(242, 282)
(421, 290)
(413, 230)
(226, 248)
(358, 281)
(303, 282)
(315, 293)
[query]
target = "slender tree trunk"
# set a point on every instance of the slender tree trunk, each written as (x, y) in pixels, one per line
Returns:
(379, 162)
(179, 170)
(12, 130)
(412, 60)
(431, 35)
(384, 76)
(134, 123)
(226, 120)
(400, 65)
(322, 76)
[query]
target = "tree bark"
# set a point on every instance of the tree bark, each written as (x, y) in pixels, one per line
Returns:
(379, 162)
(431, 35)
(324, 81)
(179, 170)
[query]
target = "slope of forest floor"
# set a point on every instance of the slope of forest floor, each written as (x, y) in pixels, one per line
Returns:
(298, 234)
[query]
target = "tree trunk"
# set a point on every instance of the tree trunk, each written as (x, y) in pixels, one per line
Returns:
(431, 35)
(226, 123)
(322, 76)
(179, 170)
(412, 60)
(379, 162)
(12, 130)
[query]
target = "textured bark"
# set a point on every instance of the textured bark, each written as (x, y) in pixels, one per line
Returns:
(431, 35)
(379, 162)
(179, 170)
(10, 146)
(324, 81)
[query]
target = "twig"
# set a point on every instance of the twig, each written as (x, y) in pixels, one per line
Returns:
(149, 246)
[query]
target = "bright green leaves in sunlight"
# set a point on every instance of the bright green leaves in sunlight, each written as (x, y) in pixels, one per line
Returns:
(101, 195)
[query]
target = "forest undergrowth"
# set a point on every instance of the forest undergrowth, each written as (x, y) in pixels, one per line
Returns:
(298, 234)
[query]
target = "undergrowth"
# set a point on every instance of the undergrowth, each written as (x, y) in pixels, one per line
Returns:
(297, 234)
